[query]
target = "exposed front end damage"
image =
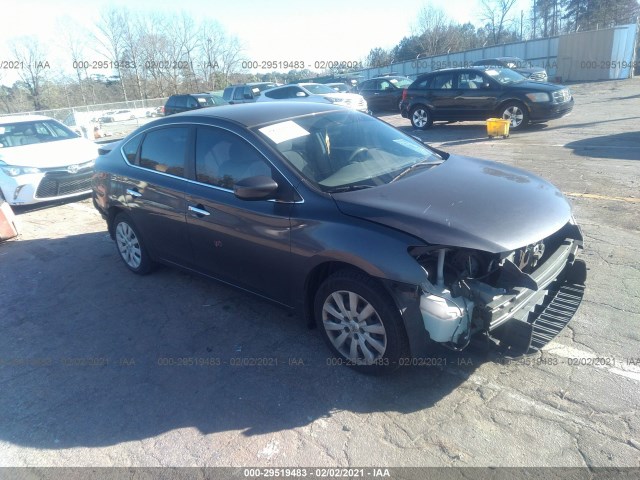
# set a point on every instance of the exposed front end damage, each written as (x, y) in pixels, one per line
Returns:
(521, 299)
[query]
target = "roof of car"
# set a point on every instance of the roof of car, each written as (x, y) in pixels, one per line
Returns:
(456, 69)
(253, 114)
(22, 118)
(250, 84)
(192, 94)
(388, 76)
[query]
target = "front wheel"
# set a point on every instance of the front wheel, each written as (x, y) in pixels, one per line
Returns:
(420, 117)
(360, 323)
(516, 113)
(130, 245)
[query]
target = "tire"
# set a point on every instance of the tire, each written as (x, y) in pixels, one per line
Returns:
(130, 246)
(372, 344)
(517, 113)
(420, 117)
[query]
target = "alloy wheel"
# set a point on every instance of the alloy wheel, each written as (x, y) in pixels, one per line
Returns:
(354, 327)
(128, 245)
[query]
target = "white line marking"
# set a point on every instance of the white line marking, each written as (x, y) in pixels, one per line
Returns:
(618, 367)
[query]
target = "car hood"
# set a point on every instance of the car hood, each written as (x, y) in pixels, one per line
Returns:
(464, 202)
(59, 153)
(527, 71)
(354, 97)
(533, 86)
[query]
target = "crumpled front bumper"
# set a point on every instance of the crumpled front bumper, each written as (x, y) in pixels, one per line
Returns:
(527, 319)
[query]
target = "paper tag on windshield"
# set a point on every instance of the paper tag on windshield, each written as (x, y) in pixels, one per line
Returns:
(281, 132)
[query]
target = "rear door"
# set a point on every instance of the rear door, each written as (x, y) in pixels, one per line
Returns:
(442, 96)
(155, 191)
(245, 243)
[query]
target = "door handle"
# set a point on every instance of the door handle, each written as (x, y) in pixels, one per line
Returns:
(199, 210)
(133, 192)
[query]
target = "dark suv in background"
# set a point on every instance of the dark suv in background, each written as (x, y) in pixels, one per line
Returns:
(478, 93)
(246, 92)
(385, 92)
(191, 101)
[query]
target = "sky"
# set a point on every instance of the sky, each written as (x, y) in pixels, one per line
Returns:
(281, 30)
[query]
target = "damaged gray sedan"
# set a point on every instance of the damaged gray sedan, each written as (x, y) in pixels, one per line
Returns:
(385, 244)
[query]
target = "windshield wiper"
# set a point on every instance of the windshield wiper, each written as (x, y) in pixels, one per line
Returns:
(349, 188)
(414, 166)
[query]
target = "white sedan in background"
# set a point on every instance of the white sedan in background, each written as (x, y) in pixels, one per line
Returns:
(41, 160)
(314, 92)
(118, 116)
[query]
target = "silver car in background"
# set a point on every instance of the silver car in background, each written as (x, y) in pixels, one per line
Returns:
(315, 92)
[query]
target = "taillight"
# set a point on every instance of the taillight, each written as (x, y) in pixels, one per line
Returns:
(404, 94)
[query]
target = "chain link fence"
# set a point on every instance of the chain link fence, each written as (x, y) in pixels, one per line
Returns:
(96, 121)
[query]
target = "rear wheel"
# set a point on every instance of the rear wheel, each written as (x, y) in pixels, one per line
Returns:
(360, 323)
(130, 245)
(420, 117)
(516, 113)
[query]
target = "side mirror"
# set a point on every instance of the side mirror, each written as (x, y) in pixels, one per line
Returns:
(255, 188)
(486, 86)
(301, 94)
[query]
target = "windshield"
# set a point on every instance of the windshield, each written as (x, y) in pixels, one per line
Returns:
(346, 149)
(401, 82)
(318, 88)
(505, 76)
(28, 133)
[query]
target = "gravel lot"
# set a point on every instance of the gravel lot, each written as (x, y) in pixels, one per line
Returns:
(99, 367)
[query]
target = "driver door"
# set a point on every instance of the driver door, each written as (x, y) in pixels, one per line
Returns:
(245, 243)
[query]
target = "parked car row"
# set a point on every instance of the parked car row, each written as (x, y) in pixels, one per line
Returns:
(266, 92)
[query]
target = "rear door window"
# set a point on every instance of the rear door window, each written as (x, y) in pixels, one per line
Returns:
(164, 150)
(130, 149)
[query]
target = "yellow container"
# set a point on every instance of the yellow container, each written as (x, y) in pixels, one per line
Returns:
(498, 127)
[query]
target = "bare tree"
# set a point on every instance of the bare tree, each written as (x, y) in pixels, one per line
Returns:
(153, 47)
(132, 32)
(73, 40)
(494, 13)
(379, 57)
(211, 47)
(432, 31)
(232, 55)
(31, 55)
(187, 37)
(111, 41)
